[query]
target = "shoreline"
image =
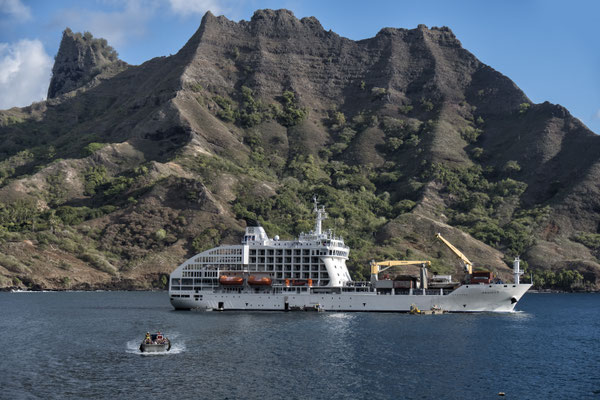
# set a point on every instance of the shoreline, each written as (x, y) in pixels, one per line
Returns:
(46, 290)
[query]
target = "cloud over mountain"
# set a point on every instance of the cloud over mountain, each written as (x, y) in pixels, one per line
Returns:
(24, 73)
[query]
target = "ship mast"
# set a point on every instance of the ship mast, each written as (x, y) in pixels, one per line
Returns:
(517, 271)
(321, 215)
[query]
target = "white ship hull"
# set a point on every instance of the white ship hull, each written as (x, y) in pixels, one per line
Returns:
(466, 298)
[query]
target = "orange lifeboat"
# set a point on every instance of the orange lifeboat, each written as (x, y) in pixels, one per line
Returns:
(231, 280)
(262, 281)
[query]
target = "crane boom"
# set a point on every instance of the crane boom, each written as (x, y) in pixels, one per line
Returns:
(376, 265)
(465, 260)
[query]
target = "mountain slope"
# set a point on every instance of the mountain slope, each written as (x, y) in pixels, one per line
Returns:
(127, 170)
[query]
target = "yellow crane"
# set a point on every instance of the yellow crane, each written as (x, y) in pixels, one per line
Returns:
(376, 265)
(467, 264)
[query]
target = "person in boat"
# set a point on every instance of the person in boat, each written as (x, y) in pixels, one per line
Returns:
(147, 339)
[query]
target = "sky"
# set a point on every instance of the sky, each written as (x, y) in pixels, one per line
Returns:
(549, 48)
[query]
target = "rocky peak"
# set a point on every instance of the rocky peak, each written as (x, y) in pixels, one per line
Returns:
(281, 23)
(80, 58)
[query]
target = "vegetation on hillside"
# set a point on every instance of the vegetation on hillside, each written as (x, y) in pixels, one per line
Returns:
(165, 161)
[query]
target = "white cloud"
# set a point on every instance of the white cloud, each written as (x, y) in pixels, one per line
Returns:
(597, 114)
(25, 70)
(187, 7)
(15, 9)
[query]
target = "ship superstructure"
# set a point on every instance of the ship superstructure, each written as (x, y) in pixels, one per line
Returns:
(310, 272)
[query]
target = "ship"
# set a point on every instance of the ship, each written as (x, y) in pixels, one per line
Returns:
(310, 273)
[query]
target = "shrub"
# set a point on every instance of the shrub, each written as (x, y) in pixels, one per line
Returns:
(523, 108)
(378, 93)
(94, 177)
(291, 114)
(509, 187)
(404, 206)
(118, 185)
(477, 153)
(209, 238)
(226, 113)
(93, 147)
(336, 120)
(426, 104)
(590, 240)
(511, 167)
(470, 134)
(97, 261)
(250, 113)
(413, 141)
(346, 135)
(405, 109)
(393, 143)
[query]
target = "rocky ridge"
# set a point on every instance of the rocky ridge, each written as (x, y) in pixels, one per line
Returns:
(81, 58)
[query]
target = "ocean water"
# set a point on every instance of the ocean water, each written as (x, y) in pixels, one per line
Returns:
(85, 345)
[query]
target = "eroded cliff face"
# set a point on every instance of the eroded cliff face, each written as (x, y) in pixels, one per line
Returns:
(79, 60)
(127, 170)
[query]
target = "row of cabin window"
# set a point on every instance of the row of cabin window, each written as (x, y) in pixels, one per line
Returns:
(287, 252)
(199, 274)
(286, 260)
(225, 251)
(218, 259)
(342, 253)
(297, 267)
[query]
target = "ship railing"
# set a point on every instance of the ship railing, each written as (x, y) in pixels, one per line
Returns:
(356, 288)
(357, 283)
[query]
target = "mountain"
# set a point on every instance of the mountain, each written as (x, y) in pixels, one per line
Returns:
(125, 171)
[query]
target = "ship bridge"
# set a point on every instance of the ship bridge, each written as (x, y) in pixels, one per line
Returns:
(255, 235)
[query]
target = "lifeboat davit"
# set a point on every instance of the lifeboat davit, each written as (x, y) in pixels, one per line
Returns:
(262, 281)
(231, 280)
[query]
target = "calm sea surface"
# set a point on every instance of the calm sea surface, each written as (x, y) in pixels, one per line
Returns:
(84, 345)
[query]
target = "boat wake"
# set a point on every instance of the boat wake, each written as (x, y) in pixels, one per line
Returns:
(133, 347)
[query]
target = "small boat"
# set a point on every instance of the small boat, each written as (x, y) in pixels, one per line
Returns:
(155, 343)
(434, 310)
(231, 280)
(259, 281)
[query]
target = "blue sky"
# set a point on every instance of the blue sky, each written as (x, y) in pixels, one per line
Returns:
(550, 49)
